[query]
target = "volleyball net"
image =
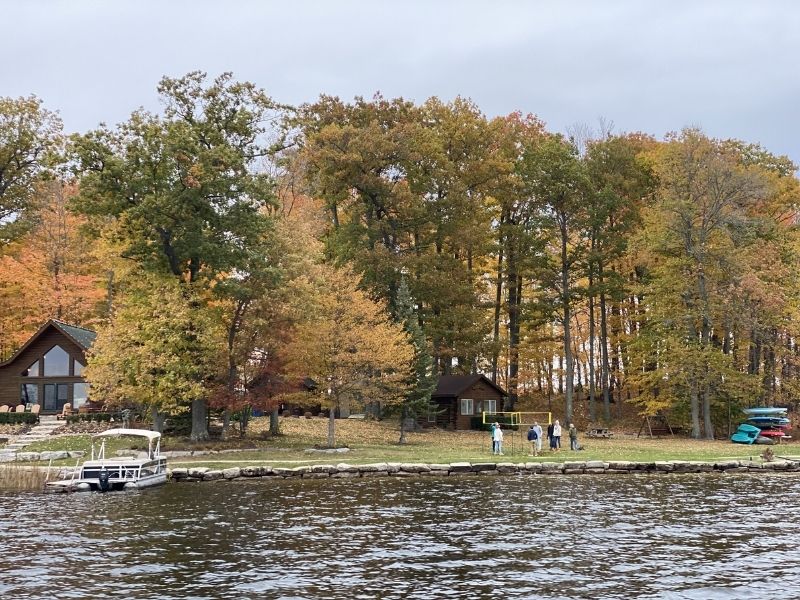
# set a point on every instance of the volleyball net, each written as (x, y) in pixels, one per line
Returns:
(516, 418)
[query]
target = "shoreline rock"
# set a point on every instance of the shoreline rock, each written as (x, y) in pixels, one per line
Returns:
(415, 470)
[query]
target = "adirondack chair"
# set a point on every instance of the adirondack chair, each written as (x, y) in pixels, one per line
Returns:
(4, 408)
(20, 408)
(65, 412)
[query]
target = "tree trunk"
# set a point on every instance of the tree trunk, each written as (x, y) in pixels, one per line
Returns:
(708, 426)
(226, 422)
(158, 419)
(403, 417)
(498, 302)
(514, 292)
(565, 298)
(244, 420)
(199, 421)
(332, 428)
(592, 390)
(695, 409)
(273, 420)
(539, 376)
(604, 366)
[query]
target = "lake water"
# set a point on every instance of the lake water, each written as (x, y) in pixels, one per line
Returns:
(649, 536)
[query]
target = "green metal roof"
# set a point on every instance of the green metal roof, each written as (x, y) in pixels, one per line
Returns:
(83, 337)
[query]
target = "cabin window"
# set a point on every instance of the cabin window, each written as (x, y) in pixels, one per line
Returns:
(490, 406)
(56, 362)
(29, 393)
(77, 368)
(32, 371)
(433, 410)
(80, 394)
(466, 406)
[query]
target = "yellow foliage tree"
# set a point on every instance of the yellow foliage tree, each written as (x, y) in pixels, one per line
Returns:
(348, 343)
(158, 352)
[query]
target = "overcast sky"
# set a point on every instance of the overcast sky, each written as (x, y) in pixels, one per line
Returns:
(729, 67)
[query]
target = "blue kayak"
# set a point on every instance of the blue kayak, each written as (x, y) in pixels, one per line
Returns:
(769, 420)
(765, 411)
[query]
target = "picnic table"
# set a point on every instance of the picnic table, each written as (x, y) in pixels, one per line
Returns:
(599, 432)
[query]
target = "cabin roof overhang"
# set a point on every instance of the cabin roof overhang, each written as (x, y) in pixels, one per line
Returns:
(452, 386)
(80, 336)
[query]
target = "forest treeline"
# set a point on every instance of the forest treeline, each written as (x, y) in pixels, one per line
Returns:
(230, 247)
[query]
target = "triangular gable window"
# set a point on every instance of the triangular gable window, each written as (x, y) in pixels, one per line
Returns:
(78, 368)
(32, 371)
(56, 362)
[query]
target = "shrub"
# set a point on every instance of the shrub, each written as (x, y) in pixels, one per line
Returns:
(88, 417)
(179, 425)
(17, 418)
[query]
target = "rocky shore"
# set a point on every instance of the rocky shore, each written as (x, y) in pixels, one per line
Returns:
(342, 470)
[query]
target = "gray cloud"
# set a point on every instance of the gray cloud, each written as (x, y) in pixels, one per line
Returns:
(651, 66)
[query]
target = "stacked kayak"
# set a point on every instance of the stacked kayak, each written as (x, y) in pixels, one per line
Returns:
(746, 434)
(768, 425)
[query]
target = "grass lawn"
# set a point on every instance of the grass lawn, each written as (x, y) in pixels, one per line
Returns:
(371, 441)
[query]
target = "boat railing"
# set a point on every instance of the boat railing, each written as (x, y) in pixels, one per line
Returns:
(76, 470)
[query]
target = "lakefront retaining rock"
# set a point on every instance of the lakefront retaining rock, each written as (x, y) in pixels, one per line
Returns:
(415, 470)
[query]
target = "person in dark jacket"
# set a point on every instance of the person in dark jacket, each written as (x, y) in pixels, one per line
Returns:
(551, 436)
(533, 438)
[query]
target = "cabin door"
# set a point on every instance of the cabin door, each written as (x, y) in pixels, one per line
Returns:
(55, 396)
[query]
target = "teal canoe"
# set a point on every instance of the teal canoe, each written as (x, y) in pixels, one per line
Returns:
(745, 434)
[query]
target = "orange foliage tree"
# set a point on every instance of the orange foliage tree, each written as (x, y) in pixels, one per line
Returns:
(52, 272)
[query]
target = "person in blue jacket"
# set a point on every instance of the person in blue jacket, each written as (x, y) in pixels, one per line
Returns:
(533, 438)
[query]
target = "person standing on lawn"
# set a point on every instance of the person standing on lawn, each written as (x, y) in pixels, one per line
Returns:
(498, 439)
(551, 438)
(538, 429)
(533, 437)
(491, 437)
(556, 436)
(573, 437)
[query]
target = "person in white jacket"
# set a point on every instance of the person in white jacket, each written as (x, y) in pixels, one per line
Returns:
(557, 435)
(497, 438)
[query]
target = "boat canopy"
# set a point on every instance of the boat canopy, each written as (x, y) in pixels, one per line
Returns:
(150, 435)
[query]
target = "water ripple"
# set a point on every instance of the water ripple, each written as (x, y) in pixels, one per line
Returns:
(693, 536)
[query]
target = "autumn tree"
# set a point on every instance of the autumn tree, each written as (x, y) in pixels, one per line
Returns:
(349, 345)
(405, 192)
(519, 246)
(143, 357)
(621, 182)
(708, 215)
(51, 271)
(259, 306)
(553, 173)
(29, 135)
(183, 192)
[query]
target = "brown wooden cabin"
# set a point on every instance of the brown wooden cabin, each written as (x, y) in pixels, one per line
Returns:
(459, 398)
(48, 369)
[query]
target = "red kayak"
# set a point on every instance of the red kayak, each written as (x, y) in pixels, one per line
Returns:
(773, 433)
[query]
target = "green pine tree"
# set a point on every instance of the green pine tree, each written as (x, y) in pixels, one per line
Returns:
(424, 376)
